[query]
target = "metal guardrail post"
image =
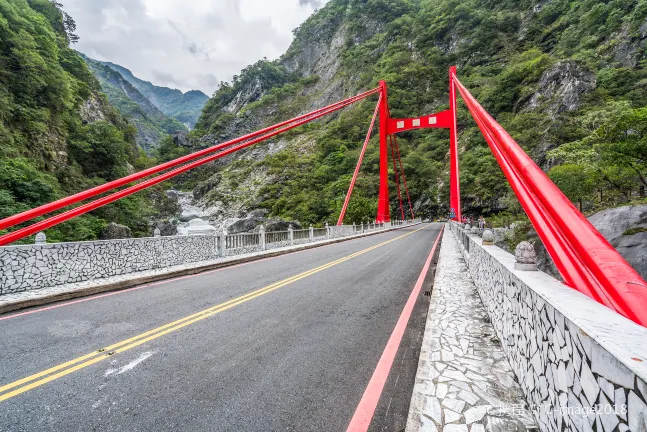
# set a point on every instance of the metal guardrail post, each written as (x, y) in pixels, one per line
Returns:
(223, 243)
(261, 240)
(291, 235)
(327, 231)
(312, 234)
(41, 238)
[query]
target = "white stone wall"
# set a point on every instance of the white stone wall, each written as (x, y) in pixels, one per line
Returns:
(581, 366)
(341, 231)
(24, 268)
(32, 267)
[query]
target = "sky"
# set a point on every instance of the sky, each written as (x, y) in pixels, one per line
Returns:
(186, 44)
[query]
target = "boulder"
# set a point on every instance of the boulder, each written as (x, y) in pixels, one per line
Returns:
(633, 248)
(280, 225)
(181, 138)
(244, 225)
(166, 229)
(115, 231)
(614, 221)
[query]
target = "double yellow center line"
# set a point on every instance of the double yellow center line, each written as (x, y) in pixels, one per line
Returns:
(36, 380)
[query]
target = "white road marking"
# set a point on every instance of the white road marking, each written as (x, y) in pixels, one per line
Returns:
(131, 365)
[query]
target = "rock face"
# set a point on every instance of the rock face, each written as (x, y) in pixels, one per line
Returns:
(633, 248)
(166, 228)
(115, 231)
(562, 86)
(614, 221)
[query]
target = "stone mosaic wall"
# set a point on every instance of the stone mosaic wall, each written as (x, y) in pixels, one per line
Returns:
(39, 266)
(581, 366)
(32, 267)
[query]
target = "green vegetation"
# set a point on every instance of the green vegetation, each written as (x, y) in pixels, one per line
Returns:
(633, 231)
(566, 78)
(59, 134)
(152, 125)
(183, 107)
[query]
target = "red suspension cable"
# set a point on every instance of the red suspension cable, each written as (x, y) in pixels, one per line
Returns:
(397, 177)
(404, 177)
(585, 259)
(55, 220)
(81, 196)
(340, 220)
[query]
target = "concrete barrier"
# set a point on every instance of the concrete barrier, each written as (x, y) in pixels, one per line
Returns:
(39, 266)
(581, 366)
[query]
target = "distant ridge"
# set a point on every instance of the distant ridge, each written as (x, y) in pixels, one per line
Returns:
(184, 107)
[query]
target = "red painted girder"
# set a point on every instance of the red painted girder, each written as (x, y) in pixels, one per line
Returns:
(55, 220)
(397, 177)
(574, 244)
(404, 177)
(441, 120)
(81, 196)
(340, 220)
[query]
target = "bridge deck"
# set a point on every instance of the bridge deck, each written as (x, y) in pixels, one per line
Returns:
(296, 356)
(464, 381)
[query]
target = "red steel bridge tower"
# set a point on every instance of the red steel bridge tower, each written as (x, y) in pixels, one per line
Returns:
(585, 260)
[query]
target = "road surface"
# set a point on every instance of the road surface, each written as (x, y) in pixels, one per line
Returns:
(282, 344)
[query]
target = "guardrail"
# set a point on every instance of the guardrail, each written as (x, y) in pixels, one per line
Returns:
(584, 258)
(43, 265)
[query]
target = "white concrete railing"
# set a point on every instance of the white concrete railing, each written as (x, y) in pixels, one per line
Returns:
(30, 267)
(582, 366)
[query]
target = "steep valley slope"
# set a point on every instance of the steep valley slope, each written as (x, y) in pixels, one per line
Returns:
(556, 74)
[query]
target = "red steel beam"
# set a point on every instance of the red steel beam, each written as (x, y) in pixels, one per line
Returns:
(55, 220)
(440, 120)
(575, 274)
(454, 172)
(340, 220)
(397, 178)
(81, 196)
(404, 177)
(617, 284)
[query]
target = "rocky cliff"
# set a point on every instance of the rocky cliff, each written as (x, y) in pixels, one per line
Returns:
(549, 71)
(183, 107)
(152, 124)
(59, 132)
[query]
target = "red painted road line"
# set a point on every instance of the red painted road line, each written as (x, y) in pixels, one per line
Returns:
(364, 413)
(95, 297)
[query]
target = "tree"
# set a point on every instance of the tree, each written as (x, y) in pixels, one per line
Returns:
(575, 181)
(68, 24)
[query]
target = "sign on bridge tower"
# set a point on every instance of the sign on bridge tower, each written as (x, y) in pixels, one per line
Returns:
(389, 127)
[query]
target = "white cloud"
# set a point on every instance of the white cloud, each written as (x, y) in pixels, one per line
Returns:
(187, 44)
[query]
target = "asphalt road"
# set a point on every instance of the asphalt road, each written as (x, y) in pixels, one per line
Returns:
(296, 356)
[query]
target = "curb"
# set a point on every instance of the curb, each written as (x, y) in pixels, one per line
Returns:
(135, 281)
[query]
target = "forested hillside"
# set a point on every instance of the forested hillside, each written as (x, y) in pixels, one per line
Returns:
(152, 124)
(565, 78)
(58, 132)
(184, 107)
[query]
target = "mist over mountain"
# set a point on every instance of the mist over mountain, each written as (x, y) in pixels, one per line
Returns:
(151, 123)
(184, 107)
(565, 78)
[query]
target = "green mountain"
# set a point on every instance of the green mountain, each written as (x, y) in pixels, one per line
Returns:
(151, 123)
(59, 133)
(567, 79)
(184, 107)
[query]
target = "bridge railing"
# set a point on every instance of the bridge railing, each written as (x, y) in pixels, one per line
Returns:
(584, 258)
(38, 266)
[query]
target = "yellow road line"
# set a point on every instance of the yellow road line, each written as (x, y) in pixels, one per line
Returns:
(81, 362)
